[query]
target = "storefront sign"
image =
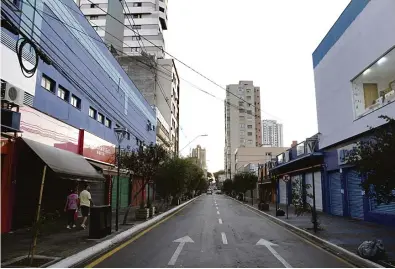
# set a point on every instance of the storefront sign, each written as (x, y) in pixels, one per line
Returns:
(344, 152)
(98, 149)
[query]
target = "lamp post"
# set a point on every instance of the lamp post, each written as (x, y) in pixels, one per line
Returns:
(120, 134)
(192, 141)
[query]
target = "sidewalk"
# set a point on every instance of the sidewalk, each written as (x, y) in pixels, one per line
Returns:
(57, 241)
(344, 232)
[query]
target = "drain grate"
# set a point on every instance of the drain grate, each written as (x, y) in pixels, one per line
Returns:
(24, 261)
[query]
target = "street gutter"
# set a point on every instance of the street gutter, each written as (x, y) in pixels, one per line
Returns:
(81, 258)
(326, 245)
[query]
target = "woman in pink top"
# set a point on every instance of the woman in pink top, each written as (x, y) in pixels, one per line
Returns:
(71, 207)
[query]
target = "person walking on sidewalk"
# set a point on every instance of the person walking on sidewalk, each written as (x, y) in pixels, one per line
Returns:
(85, 203)
(71, 207)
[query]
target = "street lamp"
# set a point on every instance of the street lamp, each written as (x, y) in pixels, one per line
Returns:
(120, 134)
(192, 141)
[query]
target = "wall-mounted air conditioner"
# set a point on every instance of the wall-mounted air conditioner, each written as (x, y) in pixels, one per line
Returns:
(12, 94)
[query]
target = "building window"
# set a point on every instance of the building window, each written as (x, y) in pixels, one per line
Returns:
(137, 16)
(249, 133)
(135, 49)
(249, 142)
(241, 110)
(242, 141)
(75, 101)
(161, 9)
(242, 118)
(94, 18)
(92, 113)
(63, 93)
(249, 118)
(242, 125)
(248, 90)
(242, 133)
(107, 123)
(136, 27)
(95, 27)
(249, 112)
(136, 38)
(249, 126)
(375, 87)
(137, 4)
(94, 5)
(241, 103)
(100, 118)
(48, 83)
(249, 98)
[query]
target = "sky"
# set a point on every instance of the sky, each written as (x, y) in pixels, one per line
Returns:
(268, 42)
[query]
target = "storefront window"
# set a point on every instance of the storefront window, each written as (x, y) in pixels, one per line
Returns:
(375, 87)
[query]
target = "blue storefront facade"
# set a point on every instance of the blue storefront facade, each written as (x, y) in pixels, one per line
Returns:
(354, 74)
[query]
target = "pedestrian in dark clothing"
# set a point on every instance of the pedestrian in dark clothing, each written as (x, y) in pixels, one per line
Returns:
(71, 208)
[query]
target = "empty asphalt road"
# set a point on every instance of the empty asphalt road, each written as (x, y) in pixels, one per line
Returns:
(216, 231)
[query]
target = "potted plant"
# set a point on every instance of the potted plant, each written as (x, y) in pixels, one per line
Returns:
(142, 213)
(151, 209)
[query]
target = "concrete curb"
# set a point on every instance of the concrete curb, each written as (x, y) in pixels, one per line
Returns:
(338, 251)
(93, 251)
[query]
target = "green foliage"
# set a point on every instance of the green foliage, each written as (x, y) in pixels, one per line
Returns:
(299, 192)
(244, 181)
(374, 160)
(216, 174)
(228, 186)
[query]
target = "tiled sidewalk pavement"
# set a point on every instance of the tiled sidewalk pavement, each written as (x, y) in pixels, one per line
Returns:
(55, 240)
(344, 232)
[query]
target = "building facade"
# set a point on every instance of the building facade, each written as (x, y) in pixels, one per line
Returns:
(272, 133)
(68, 109)
(242, 121)
(354, 71)
(200, 154)
(144, 23)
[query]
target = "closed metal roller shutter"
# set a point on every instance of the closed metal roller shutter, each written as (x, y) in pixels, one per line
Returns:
(336, 197)
(355, 198)
(382, 208)
(318, 190)
(98, 192)
(283, 192)
(124, 192)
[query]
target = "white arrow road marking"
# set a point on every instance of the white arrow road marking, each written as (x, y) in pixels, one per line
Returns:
(182, 241)
(224, 240)
(269, 245)
(218, 212)
(220, 221)
(216, 207)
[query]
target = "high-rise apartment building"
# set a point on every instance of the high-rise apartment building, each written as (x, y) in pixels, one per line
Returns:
(199, 154)
(144, 23)
(272, 133)
(242, 121)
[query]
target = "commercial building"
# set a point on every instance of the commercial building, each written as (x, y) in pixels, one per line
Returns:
(354, 71)
(63, 116)
(242, 121)
(139, 47)
(200, 154)
(272, 133)
(144, 23)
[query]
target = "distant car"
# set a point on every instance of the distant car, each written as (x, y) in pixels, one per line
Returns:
(218, 192)
(210, 192)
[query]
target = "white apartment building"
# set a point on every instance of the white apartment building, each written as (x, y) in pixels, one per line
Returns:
(144, 23)
(272, 133)
(242, 121)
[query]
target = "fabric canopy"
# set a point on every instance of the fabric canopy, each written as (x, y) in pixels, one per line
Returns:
(65, 163)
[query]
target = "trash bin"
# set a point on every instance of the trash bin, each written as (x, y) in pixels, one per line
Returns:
(100, 221)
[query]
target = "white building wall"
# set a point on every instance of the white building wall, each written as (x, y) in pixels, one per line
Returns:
(370, 36)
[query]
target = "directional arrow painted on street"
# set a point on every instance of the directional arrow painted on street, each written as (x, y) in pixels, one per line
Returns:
(269, 245)
(182, 241)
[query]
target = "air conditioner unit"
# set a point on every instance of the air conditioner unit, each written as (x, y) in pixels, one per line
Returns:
(12, 94)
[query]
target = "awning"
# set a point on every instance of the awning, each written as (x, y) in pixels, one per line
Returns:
(64, 163)
(308, 160)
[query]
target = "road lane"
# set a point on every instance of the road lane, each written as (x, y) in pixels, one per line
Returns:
(241, 228)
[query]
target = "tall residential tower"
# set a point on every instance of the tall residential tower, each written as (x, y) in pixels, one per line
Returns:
(272, 133)
(242, 121)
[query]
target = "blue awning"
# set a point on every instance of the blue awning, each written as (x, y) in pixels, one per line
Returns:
(302, 160)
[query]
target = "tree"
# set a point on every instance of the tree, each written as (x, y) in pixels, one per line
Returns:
(245, 181)
(228, 186)
(143, 162)
(373, 159)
